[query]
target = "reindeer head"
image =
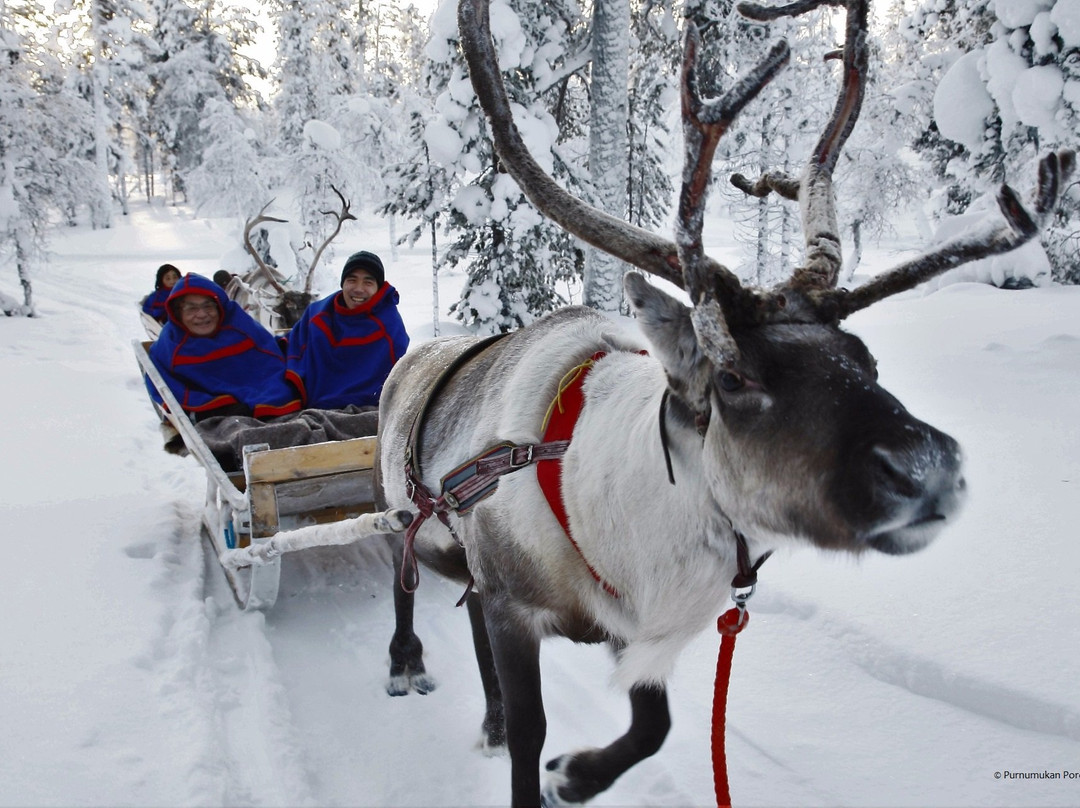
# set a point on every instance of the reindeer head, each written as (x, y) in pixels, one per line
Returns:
(799, 438)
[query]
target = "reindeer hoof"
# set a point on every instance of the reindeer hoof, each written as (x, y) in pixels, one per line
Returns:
(422, 683)
(393, 521)
(405, 683)
(398, 686)
(490, 749)
(555, 781)
(549, 797)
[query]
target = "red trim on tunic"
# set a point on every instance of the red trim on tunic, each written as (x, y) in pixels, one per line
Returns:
(268, 411)
(212, 404)
(243, 346)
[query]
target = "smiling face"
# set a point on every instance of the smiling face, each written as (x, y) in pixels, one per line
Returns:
(358, 288)
(199, 315)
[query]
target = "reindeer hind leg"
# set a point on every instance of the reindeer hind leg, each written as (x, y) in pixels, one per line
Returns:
(407, 672)
(493, 740)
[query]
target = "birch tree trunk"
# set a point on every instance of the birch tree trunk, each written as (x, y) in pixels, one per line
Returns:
(101, 201)
(608, 143)
(434, 282)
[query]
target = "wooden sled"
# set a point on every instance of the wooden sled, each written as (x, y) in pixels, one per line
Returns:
(152, 326)
(284, 500)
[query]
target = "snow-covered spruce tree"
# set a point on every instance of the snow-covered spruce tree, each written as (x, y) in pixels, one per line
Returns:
(319, 102)
(515, 259)
(233, 177)
(928, 38)
(101, 33)
(418, 189)
(196, 60)
(1017, 97)
(45, 168)
(24, 208)
(875, 178)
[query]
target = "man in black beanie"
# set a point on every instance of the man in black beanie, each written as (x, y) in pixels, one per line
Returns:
(368, 262)
(342, 349)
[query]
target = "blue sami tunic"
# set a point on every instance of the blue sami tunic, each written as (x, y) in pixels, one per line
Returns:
(339, 356)
(240, 364)
(154, 304)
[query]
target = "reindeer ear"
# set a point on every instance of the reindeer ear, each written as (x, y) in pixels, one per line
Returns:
(668, 326)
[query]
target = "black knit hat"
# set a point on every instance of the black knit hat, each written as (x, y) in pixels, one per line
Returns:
(367, 261)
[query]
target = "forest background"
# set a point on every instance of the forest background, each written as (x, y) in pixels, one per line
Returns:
(102, 101)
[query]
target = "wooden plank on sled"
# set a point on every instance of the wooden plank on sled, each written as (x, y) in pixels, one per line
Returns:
(312, 460)
(353, 491)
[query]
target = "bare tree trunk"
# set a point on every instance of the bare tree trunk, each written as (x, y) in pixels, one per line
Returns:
(434, 283)
(761, 258)
(393, 237)
(22, 262)
(101, 200)
(608, 143)
(855, 258)
(788, 231)
(122, 174)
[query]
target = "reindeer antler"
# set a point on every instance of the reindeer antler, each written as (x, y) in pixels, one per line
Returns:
(815, 190)
(684, 265)
(715, 295)
(262, 267)
(343, 216)
(816, 280)
(985, 238)
(621, 239)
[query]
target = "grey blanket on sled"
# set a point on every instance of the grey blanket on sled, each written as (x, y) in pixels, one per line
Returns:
(226, 435)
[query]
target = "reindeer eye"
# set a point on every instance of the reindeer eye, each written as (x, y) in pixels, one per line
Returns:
(730, 382)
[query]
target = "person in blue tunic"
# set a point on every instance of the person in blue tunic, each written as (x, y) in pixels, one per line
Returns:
(154, 303)
(343, 347)
(218, 360)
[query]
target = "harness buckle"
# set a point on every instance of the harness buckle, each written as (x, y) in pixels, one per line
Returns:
(528, 456)
(741, 594)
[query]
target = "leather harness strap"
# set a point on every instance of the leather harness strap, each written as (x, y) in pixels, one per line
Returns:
(478, 477)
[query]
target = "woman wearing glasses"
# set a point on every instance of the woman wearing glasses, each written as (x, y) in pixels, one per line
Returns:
(217, 359)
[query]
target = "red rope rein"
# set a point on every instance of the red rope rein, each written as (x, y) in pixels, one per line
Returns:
(729, 624)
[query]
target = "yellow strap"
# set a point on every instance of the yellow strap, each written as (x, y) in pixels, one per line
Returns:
(564, 383)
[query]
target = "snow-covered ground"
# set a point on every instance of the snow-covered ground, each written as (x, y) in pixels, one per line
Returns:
(128, 676)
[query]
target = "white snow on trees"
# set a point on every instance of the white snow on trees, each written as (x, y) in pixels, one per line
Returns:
(962, 104)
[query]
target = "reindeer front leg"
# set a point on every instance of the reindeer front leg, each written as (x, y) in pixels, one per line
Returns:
(583, 775)
(516, 651)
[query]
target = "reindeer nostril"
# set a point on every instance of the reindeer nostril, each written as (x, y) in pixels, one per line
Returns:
(895, 471)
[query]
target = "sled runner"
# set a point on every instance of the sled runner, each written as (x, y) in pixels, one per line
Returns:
(283, 500)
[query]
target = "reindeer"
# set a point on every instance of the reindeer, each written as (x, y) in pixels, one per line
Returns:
(752, 422)
(263, 290)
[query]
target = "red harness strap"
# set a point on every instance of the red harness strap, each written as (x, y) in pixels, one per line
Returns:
(559, 426)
